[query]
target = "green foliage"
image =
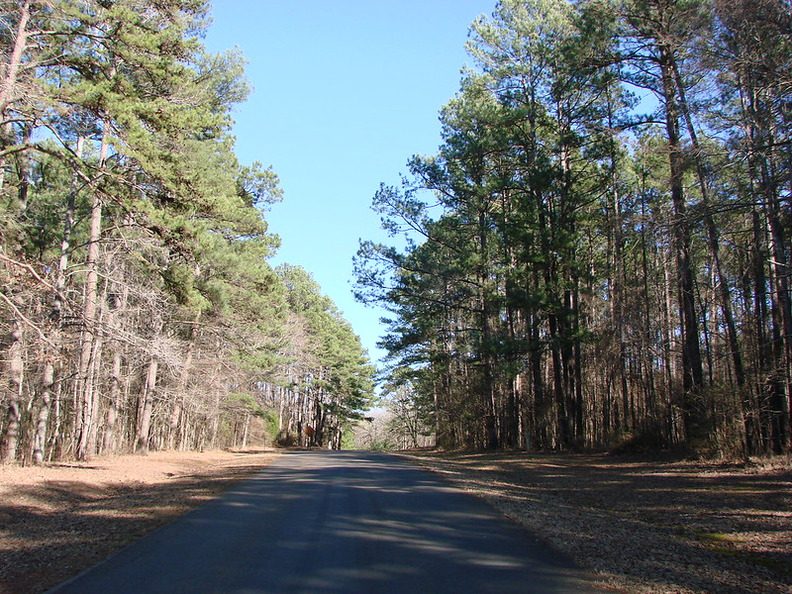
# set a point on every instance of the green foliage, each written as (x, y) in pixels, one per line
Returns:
(545, 294)
(329, 355)
(245, 402)
(348, 439)
(116, 158)
(271, 424)
(382, 445)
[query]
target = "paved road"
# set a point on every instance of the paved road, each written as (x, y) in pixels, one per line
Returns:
(346, 522)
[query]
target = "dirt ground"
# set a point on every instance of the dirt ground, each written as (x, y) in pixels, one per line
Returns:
(645, 525)
(58, 519)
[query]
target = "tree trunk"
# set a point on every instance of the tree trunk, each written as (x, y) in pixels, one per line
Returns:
(114, 403)
(68, 228)
(23, 165)
(617, 297)
(177, 406)
(754, 421)
(15, 376)
(86, 394)
(147, 398)
(487, 390)
(713, 240)
(40, 435)
(694, 411)
(8, 82)
(10, 72)
(783, 337)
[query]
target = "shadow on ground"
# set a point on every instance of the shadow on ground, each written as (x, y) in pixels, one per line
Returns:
(90, 522)
(681, 524)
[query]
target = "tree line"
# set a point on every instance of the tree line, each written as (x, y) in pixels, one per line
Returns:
(599, 253)
(138, 307)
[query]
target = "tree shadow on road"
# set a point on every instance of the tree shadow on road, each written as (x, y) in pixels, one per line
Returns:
(694, 525)
(65, 526)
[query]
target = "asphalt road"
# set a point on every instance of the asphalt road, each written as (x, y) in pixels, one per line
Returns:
(346, 522)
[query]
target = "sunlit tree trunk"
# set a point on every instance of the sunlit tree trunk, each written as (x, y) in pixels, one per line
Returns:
(14, 398)
(114, 402)
(42, 418)
(177, 406)
(91, 328)
(52, 354)
(8, 78)
(147, 404)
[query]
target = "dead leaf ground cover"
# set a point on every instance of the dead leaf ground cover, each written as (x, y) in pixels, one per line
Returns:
(645, 525)
(58, 519)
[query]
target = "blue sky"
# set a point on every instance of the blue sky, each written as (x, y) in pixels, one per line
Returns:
(344, 92)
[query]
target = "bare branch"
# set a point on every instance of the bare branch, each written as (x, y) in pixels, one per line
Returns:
(27, 321)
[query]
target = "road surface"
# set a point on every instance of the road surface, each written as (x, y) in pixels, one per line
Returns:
(349, 522)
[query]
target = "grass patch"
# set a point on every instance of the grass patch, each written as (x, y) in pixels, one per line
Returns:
(727, 544)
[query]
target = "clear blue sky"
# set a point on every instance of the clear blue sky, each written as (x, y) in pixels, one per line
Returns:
(344, 92)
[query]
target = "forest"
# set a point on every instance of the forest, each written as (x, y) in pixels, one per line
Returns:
(598, 255)
(138, 309)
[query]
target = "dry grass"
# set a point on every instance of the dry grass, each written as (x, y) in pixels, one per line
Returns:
(58, 519)
(643, 525)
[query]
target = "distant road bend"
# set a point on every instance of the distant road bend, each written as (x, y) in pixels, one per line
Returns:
(348, 522)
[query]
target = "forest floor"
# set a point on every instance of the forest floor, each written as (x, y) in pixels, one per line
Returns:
(645, 525)
(58, 519)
